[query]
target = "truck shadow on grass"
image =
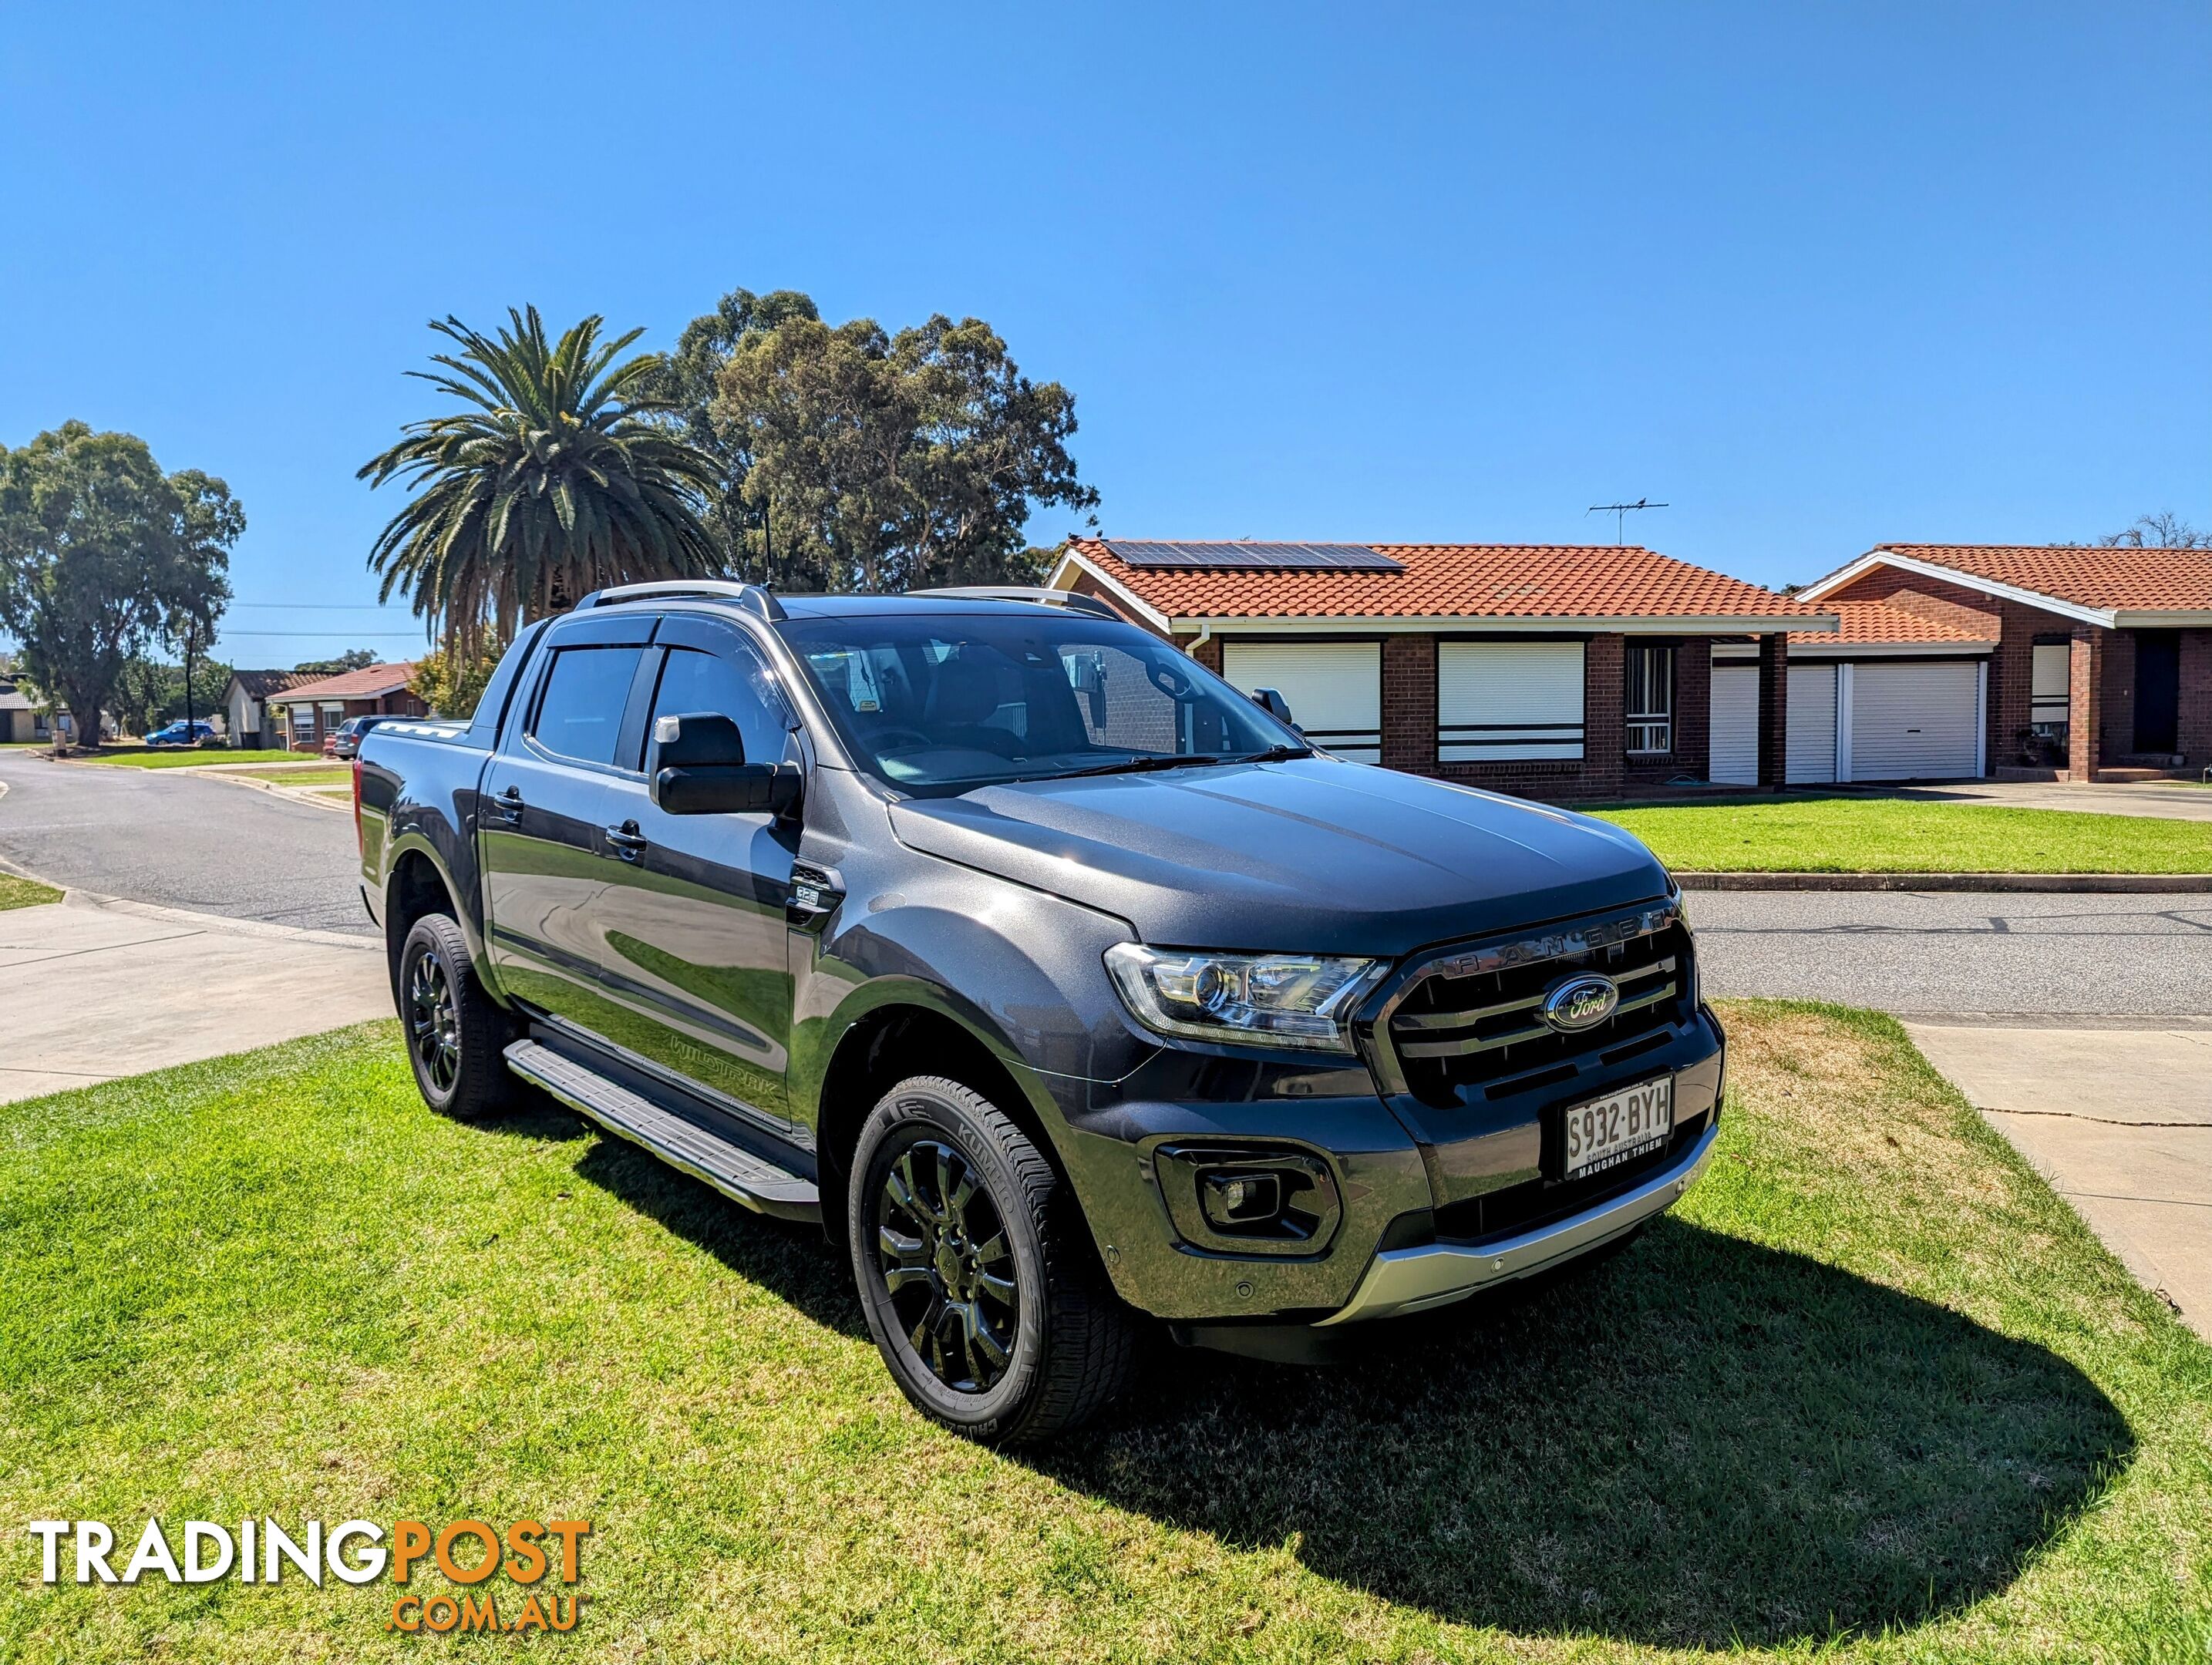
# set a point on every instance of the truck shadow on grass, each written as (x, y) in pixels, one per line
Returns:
(1702, 1442)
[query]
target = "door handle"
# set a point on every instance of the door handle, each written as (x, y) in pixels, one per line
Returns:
(508, 806)
(625, 841)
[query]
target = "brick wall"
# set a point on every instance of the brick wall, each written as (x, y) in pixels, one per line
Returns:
(2194, 735)
(1409, 703)
(1773, 710)
(2086, 725)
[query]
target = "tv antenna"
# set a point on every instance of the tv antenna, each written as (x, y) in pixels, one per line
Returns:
(1619, 514)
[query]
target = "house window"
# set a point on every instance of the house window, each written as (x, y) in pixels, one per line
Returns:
(1650, 712)
(1508, 701)
(2050, 687)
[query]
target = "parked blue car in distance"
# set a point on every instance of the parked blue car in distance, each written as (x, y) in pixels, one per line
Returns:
(181, 733)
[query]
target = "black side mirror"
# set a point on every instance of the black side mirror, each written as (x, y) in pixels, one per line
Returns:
(1271, 700)
(698, 767)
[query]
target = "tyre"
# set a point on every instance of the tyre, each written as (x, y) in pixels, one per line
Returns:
(976, 1270)
(455, 1031)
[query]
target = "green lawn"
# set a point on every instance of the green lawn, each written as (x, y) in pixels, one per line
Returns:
(191, 756)
(1803, 834)
(24, 892)
(1873, 1393)
(326, 774)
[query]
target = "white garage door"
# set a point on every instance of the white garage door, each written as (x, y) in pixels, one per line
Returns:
(1736, 726)
(1334, 689)
(1913, 722)
(1810, 755)
(1508, 701)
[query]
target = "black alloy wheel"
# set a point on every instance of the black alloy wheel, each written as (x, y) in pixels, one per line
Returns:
(947, 1266)
(976, 1272)
(434, 1027)
(455, 1032)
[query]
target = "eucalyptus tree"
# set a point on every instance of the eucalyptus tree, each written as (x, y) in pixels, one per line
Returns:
(559, 473)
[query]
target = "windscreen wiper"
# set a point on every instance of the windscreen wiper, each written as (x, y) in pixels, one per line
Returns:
(1145, 765)
(1275, 754)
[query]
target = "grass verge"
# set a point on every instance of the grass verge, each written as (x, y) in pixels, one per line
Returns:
(15, 892)
(1873, 1392)
(187, 757)
(1797, 834)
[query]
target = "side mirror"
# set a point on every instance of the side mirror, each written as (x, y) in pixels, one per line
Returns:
(697, 764)
(726, 789)
(1271, 700)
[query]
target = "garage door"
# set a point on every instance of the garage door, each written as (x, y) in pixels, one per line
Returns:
(1913, 722)
(1810, 755)
(1736, 726)
(1334, 689)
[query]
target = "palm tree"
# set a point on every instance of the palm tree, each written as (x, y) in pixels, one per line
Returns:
(556, 480)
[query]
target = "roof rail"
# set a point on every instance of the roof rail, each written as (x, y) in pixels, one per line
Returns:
(757, 597)
(1067, 598)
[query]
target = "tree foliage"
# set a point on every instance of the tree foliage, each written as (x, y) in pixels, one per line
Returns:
(854, 459)
(558, 477)
(150, 692)
(451, 680)
(354, 658)
(2163, 530)
(101, 554)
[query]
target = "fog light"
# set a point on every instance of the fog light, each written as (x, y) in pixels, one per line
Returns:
(1239, 1199)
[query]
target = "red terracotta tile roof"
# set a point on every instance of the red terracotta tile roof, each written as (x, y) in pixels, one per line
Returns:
(1454, 581)
(1878, 622)
(2153, 580)
(365, 684)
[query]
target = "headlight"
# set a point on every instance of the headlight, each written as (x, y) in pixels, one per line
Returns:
(1265, 1000)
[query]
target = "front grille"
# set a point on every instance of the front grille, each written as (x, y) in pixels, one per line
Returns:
(1470, 1025)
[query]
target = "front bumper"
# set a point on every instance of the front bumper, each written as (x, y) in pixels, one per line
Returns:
(1403, 1280)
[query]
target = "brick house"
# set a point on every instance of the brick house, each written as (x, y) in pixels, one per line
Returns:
(300, 716)
(1546, 671)
(2100, 658)
(245, 703)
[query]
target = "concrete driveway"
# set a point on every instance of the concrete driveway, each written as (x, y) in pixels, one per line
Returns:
(2118, 1119)
(103, 988)
(2175, 800)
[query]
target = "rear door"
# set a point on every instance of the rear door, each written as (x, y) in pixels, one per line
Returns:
(693, 938)
(541, 838)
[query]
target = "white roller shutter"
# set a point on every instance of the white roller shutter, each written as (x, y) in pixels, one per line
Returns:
(1508, 701)
(1810, 752)
(1736, 726)
(1334, 689)
(1913, 722)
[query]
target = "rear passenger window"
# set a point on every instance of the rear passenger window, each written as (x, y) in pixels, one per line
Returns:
(580, 715)
(733, 686)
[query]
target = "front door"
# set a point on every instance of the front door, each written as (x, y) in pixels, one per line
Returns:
(692, 940)
(541, 816)
(2158, 690)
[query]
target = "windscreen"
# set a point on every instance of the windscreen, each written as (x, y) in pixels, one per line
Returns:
(941, 702)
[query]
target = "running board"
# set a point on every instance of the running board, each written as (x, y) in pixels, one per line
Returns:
(676, 1140)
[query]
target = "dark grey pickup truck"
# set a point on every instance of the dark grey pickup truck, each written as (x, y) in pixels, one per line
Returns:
(1058, 981)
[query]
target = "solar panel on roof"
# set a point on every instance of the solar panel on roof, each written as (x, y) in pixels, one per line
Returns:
(1324, 557)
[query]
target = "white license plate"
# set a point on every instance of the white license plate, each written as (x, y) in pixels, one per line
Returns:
(1619, 1127)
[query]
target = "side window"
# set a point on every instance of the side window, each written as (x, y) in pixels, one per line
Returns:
(579, 714)
(733, 686)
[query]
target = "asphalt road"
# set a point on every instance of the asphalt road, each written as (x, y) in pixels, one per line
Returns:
(159, 836)
(1957, 952)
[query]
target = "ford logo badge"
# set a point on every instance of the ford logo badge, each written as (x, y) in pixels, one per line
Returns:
(1580, 1002)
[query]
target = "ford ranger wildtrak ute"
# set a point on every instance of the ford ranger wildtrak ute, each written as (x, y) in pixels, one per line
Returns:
(1058, 981)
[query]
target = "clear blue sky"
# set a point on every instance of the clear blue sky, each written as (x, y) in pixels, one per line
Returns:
(1818, 276)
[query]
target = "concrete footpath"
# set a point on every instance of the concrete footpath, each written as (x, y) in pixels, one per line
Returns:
(2117, 1117)
(100, 988)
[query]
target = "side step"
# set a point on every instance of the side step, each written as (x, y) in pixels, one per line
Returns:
(736, 1174)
